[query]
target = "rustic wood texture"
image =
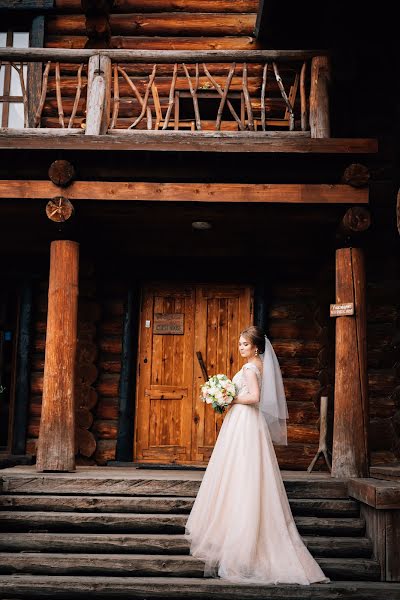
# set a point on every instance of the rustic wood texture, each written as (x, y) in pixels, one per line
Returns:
(350, 437)
(61, 172)
(34, 75)
(99, 95)
(56, 448)
(138, 587)
(319, 97)
(165, 56)
(188, 192)
(199, 141)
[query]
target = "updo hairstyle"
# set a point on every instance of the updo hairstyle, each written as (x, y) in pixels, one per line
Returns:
(255, 336)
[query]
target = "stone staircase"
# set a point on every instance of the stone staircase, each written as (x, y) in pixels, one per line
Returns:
(122, 536)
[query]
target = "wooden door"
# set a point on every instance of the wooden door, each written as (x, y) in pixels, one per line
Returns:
(222, 312)
(172, 425)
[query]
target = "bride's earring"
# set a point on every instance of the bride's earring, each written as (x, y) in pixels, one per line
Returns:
(256, 352)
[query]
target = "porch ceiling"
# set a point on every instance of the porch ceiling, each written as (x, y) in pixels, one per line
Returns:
(162, 229)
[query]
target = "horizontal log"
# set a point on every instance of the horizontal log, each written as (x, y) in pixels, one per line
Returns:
(157, 544)
(20, 586)
(307, 367)
(193, 192)
(381, 408)
(383, 457)
(107, 408)
(105, 429)
(155, 56)
(293, 329)
(159, 43)
(301, 389)
(167, 24)
(110, 327)
(158, 523)
(120, 6)
(296, 348)
(109, 366)
(140, 565)
(108, 385)
(194, 141)
(132, 482)
(111, 346)
(105, 451)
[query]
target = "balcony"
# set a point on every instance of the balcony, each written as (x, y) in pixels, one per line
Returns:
(212, 101)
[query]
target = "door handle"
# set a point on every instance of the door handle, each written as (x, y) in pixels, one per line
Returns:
(202, 365)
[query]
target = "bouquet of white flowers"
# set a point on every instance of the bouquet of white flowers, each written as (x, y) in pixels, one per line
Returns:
(218, 391)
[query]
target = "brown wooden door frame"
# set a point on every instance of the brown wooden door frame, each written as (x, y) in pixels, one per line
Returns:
(218, 311)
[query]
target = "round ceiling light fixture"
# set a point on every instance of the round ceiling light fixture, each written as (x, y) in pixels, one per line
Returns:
(201, 225)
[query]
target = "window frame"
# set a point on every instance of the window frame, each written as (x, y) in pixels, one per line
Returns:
(34, 26)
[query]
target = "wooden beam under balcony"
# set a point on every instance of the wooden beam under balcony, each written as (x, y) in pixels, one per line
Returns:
(184, 141)
(155, 56)
(187, 192)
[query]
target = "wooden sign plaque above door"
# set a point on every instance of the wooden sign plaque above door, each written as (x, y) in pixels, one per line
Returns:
(168, 324)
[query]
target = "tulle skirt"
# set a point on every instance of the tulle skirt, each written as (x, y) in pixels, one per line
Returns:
(241, 524)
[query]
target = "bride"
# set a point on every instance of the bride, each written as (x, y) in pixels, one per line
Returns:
(241, 524)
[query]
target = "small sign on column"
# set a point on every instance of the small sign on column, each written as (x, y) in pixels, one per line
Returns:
(339, 310)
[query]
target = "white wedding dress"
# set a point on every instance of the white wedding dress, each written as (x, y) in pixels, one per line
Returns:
(241, 524)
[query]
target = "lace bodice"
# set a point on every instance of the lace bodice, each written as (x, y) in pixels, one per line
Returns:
(239, 379)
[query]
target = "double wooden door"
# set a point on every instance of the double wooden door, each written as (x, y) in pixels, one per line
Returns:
(180, 327)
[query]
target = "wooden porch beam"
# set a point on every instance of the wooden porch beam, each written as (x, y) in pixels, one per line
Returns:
(155, 56)
(187, 192)
(184, 141)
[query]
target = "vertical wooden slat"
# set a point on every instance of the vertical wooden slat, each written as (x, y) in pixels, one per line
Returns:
(77, 97)
(34, 75)
(98, 95)
(171, 98)
(319, 97)
(59, 97)
(42, 99)
(350, 456)
(56, 446)
(303, 101)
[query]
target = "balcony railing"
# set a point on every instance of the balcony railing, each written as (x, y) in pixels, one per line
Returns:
(100, 92)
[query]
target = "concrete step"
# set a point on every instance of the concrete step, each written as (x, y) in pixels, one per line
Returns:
(141, 588)
(158, 504)
(153, 523)
(144, 565)
(158, 544)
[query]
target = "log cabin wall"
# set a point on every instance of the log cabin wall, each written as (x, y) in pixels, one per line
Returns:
(297, 326)
(153, 25)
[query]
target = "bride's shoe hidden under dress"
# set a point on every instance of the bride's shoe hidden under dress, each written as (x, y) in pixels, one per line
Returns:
(241, 524)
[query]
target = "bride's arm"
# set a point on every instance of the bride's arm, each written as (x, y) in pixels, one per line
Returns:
(253, 394)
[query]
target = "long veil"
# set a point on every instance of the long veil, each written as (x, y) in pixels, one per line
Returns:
(273, 401)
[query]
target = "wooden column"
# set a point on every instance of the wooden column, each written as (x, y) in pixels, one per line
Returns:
(319, 97)
(98, 95)
(56, 445)
(350, 456)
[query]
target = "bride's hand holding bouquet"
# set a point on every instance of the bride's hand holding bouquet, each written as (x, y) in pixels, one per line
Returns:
(219, 391)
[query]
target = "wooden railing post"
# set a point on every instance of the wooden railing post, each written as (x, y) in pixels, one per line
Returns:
(350, 455)
(56, 446)
(319, 97)
(98, 95)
